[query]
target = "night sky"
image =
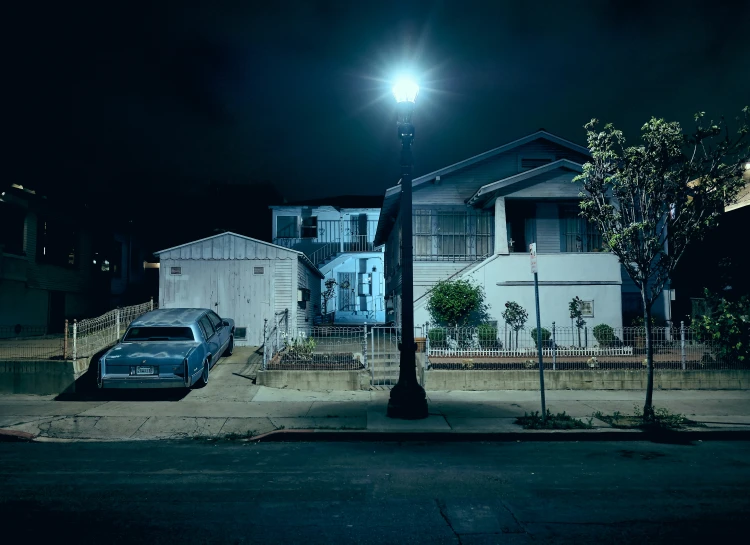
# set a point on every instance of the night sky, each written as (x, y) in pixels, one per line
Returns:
(168, 97)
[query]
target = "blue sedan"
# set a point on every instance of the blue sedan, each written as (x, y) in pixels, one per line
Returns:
(167, 348)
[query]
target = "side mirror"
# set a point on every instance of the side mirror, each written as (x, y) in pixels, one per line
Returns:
(225, 323)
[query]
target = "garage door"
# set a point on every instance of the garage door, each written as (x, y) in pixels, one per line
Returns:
(244, 294)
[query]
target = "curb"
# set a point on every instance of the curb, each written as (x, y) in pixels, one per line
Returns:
(14, 436)
(282, 436)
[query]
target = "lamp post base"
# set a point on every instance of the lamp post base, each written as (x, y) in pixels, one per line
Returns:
(408, 402)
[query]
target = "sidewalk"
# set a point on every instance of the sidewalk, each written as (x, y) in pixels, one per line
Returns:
(232, 407)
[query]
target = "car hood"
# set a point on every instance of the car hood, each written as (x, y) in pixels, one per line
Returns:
(154, 352)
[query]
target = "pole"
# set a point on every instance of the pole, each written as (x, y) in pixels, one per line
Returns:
(65, 342)
(682, 345)
(265, 343)
(554, 348)
(539, 345)
(75, 339)
(364, 347)
(408, 400)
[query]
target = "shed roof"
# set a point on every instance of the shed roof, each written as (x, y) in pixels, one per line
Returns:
(301, 256)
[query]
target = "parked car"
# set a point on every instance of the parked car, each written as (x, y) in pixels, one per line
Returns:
(167, 348)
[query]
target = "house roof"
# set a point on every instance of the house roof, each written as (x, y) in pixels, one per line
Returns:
(486, 192)
(390, 205)
(341, 201)
(301, 256)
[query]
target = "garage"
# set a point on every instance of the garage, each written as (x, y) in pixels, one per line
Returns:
(242, 278)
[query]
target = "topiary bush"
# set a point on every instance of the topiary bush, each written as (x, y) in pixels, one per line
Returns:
(604, 335)
(487, 336)
(546, 335)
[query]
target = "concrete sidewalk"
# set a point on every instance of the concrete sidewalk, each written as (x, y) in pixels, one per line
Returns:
(262, 410)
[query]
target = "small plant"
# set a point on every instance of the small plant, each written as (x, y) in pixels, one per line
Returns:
(515, 316)
(604, 335)
(546, 335)
(559, 421)
(437, 336)
(575, 307)
(300, 349)
(487, 335)
(663, 420)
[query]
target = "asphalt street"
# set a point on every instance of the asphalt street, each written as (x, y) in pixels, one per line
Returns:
(468, 493)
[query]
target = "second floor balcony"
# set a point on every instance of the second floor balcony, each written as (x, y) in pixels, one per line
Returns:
(323, 240)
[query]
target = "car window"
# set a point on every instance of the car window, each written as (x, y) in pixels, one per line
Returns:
(208, 328)
(215, 320)
(159, 334)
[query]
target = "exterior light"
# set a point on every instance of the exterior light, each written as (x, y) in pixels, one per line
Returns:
(405, 90)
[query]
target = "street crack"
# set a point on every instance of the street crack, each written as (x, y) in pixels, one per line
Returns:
(441, 506)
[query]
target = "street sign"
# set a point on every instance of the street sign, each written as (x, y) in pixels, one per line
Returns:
(532, 251)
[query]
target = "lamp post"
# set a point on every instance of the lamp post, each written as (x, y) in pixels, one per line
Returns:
(408, 400)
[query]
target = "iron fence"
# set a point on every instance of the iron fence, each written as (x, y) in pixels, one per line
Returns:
(566, 348)
(78, 340)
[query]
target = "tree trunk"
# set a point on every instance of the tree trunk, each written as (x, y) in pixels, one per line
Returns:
(648, 407)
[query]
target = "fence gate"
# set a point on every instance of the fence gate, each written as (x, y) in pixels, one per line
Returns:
(383, 356)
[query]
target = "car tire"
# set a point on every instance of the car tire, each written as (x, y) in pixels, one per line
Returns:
(230, 347)
(203, 381)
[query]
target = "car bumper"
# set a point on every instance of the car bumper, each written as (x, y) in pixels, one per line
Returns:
(143, 382)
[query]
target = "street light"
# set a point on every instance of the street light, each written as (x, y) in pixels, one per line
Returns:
(408, 400)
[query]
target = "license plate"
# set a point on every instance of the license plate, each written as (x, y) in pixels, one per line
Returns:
(144, 370)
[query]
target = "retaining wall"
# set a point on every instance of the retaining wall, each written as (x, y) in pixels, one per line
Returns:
(586, 380)
(41, 377)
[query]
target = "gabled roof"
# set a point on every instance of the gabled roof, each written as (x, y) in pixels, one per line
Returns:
(487, 190)
(390, 205)
(302, 257)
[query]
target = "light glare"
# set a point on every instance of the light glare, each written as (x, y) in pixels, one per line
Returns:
(405, 90)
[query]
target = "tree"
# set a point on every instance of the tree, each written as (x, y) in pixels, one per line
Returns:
(575, 307)
(457, 303)
(515, 316)
(652, 200)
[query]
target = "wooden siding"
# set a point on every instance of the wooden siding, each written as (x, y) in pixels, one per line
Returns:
(456, 187)
(547, 227)
(283, 275)
(557, 184)
(429, 273)
(228, 246)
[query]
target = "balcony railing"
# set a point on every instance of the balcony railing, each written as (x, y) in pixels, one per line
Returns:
(333, 237)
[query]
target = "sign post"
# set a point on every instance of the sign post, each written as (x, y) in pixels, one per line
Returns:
(535, 269)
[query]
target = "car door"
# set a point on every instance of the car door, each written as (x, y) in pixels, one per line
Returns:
(221, 330)
(212, 338)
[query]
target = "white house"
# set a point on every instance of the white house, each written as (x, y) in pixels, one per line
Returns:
(475, 220)
(339, 241)
(241, 278)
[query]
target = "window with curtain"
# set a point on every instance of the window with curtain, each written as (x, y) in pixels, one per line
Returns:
(452, 231)
(452, 235)
(576, 233)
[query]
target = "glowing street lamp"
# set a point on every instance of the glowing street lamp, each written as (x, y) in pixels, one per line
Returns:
(408, 398)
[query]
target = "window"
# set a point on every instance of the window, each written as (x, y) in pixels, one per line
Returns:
(57, 242)
(175, 270)
(259, 270)
(577, 234)
(286, 227)
(364, 285)
(207, 326)
(452, 235)
(159, 334)
(310, 227)
(215, 320)
(240, 332)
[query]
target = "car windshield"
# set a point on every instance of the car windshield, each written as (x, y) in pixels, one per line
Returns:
(159, 334)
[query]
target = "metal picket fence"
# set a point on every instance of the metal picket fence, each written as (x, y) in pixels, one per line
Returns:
(78, 340)
(565, 348)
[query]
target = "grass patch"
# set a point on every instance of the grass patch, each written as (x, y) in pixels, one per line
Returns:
(559, 421)
(663, 420)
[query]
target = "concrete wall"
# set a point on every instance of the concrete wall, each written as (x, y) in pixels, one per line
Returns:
(585, 380)
(41, 377)
(20, 304)
(319, 381)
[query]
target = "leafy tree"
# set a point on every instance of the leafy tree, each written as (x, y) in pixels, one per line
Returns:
(727, 326)
(457, 303)
(652, 200)
(515, 316)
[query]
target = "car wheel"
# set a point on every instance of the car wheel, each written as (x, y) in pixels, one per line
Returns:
(230, 347)
(206, 371)
(99, 383)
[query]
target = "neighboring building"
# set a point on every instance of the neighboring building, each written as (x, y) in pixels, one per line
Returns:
(339, 241)
(241, 278)
(46, 270)
(475, 220)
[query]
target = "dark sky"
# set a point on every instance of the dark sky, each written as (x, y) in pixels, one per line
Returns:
(133, 96)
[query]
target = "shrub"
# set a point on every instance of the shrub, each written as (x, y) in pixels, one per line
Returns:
(457, 303)
(727, 327)
(437, 336)
(487, 335)
(546, 335)
(604, 335)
